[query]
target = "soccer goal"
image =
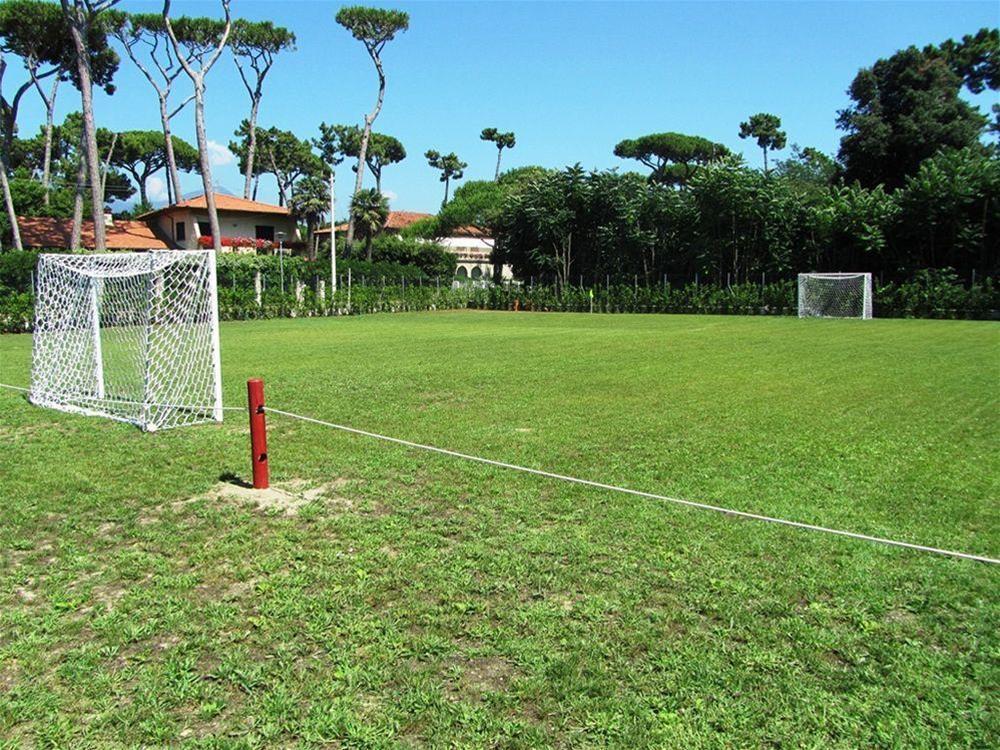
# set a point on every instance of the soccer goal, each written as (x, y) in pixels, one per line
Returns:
(835, 295)
(128, 336)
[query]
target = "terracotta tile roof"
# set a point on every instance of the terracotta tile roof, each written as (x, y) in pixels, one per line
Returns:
(395, 221)
(401, 219)
(45, 231)
(225, 203)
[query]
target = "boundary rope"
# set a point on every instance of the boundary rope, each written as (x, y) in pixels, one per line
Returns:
(615, 488)
(640, 493)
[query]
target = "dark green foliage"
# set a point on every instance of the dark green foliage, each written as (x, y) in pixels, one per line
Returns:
(280, 153)
(450, 166)
(432, 259)
(672, 157)
(339, 141)
(764, 128)
(501, 141)
(142, 153)
(373, 26)
(369, 211)
(976, 59)
(733, 222)
(410, 275)
(905, 109)
(949, 212)
(310, 202)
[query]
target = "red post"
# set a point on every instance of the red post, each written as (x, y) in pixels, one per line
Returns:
(258, 433)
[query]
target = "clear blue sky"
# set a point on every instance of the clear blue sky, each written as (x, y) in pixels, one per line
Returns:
(571, 79)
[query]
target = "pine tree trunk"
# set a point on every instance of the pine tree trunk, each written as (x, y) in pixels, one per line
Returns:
(251, 147)
(173, 176)
(365, 137)
(50, 107)
(89, 131)
(206, 166)
(81, 178)
(15, 232)
(496, 177)
(447, 182)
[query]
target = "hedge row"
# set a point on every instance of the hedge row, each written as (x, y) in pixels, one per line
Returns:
(930, 294)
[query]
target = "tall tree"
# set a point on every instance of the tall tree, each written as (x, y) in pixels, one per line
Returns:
(370, 209)
(671, 157)
(255, 45)
(310, 202)
(501, 140)
(373, 27)
(451, 167)
(383, 150)
(146, 42)
(766, 129)
(37, 32)
(282, 154)
(203, 43)
(89, 36)
(141, 153)
(905, 109)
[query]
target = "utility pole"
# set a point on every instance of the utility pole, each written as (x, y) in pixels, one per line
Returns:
(333, 232)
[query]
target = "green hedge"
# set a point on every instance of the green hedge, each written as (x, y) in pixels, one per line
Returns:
(929, 294)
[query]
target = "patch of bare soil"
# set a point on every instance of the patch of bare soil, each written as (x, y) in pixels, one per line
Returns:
(285, 499)
(481, 675)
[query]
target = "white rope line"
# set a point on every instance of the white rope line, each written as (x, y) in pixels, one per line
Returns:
(640, 493)
(614, 488)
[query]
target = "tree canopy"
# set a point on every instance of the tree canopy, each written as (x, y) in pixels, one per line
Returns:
(142, 153)
(907, 107)
(450, 166)
(765, 128)
(672, 157)
(373, 27)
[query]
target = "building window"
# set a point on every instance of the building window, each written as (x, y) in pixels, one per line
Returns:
(204, 229)
(180, 231)
(262, 232)
(462, 273)
(477, 272)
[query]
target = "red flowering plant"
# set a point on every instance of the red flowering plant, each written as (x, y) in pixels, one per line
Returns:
(205, 241)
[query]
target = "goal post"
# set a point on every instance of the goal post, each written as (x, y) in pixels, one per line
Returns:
(129, 336)
(835, 295)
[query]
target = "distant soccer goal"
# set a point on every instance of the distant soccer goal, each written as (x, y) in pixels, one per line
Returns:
(128, 336)
(835, 295)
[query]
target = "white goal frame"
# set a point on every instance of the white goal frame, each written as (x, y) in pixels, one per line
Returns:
(835, 295)
(132, 337)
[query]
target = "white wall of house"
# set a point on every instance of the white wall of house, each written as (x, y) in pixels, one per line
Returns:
(474, 257)
(231, 224)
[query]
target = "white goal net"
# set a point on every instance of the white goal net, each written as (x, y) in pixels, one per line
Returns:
(835, 295)
(128, 336)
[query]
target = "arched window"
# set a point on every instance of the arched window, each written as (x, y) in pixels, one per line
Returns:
(477, 272)
(461, 273)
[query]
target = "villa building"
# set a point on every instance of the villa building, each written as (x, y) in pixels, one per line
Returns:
(471, 245)
(178, 226)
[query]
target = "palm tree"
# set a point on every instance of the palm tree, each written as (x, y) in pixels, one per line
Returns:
(309, 203)
(369, 209)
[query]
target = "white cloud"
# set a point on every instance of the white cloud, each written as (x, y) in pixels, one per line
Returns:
(219, 155)
(391, 196)
(156, 189)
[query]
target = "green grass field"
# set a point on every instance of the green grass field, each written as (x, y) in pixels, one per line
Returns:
(418, 600)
